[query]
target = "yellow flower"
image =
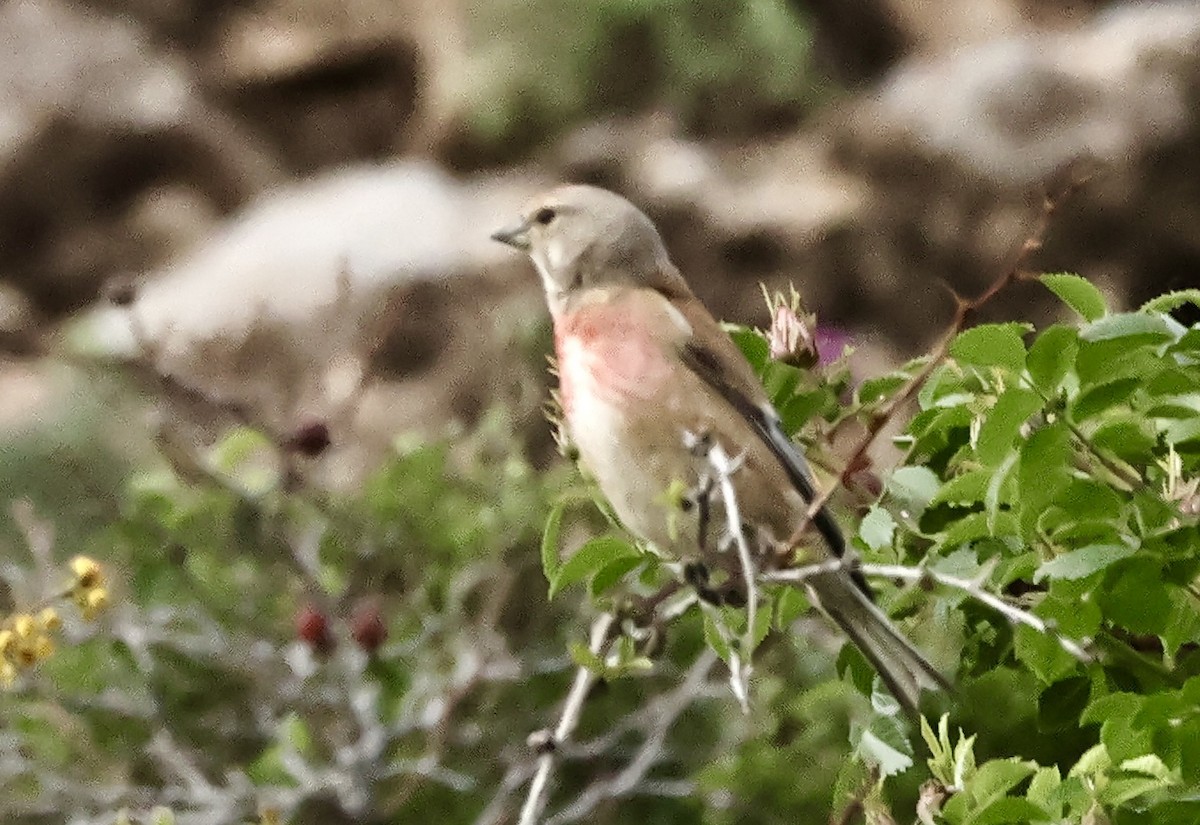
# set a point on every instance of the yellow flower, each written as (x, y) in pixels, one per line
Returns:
(8, 674)
(27, 655)
(88, 573)
(43, 648)
(23, 625)
(97, 601)
(6, 640)
(49, 619)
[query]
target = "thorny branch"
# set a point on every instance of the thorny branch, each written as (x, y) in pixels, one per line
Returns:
(567, 722)
(965, 309)
(651, 750)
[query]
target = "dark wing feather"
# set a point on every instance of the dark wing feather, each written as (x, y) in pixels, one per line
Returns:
(765, 422)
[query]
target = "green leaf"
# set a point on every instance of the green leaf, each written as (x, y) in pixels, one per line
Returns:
(1009, 810)
(1183, 624)
(1004, 420)
(1051, 357)
(1102, 397)
(1183, 432)
(878, 389)
(1077, 293)
(790, 604)
(762, 626)
(1151, 764)
(1113, 705)
(780, 381)
(883, 745)
(1172, 300)
(993, 498)
(1043, 788)
(550, 540)
(715, 637)
(997, 777)
(992, 345)
(877, 529)
(1044, 472)
(589, 559)
(1085, 561)
(914, 487)
(162, 815)
(612, 573)
(1128, 437)
(583, 656)
(1122, 789)
(1138, 325)
(936, 749)
(1175, 405)
(294, 732)
(979, 525)
(800, 408)
(752, 344)
(1102, 362)
(1189, 342)
(1042, 654)
(965, 489)
(1136, 597)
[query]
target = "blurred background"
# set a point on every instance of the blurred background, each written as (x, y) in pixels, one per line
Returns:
(238, 160)
(276, 212)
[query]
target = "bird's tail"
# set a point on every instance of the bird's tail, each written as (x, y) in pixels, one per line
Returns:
(903, 668)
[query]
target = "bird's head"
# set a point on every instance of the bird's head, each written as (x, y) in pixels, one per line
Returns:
(583, 237)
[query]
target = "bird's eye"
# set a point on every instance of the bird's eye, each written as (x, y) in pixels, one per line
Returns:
(544, 215)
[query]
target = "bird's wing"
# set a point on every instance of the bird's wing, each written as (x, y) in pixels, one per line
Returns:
(721, 365)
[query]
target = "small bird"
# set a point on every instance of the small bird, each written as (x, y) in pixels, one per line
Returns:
(645, 374)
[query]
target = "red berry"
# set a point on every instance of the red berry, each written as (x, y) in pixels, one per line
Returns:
(312, 627)
(311, 438)
(367, 626)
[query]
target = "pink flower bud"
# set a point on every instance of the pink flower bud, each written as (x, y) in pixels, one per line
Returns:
(790, 338)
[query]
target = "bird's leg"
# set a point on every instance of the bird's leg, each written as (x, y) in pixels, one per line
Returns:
(733, 591)
(701, 498)
(695, 573)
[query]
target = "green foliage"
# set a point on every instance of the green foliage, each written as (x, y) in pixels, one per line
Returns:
(1059, 469)
(717, 64)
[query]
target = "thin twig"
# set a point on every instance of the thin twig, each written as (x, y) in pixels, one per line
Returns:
(739, 671)
(651, 751)
(964, 310)
(1126, 474)
(1010, 611)
(567, 722)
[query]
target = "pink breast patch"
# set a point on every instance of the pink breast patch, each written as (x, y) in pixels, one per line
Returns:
(603, 350)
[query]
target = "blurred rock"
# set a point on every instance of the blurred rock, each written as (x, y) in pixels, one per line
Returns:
(162, 142)
(94, 121)
(1015, 110)
(958, 151)
(20, 323)
(376, 271)
(936, 177)
(331, 105)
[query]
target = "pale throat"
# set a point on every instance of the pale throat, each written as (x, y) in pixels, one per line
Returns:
(549, 260)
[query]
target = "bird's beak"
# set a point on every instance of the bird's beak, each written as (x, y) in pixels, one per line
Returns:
(515, 236)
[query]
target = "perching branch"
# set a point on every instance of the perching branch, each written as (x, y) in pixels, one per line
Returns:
(739, 671)
(923, 575)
